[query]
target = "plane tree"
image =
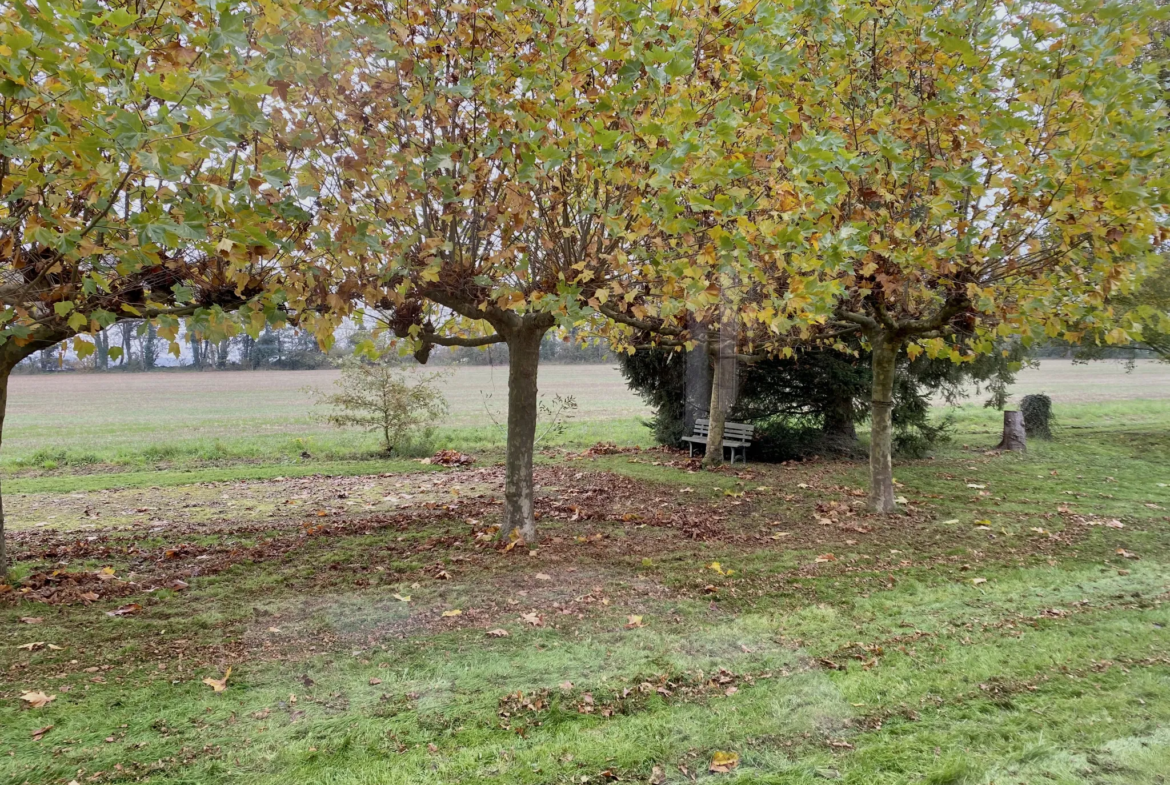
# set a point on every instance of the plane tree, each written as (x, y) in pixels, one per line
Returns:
(490, 162)
(141, 176)
(930, 177)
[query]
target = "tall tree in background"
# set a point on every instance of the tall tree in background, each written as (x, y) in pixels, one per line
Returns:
(489, 158)
(140, 177)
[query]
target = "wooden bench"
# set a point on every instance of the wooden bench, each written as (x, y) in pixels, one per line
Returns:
(736, 435)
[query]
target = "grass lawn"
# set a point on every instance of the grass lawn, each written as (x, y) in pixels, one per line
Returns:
(1009, 626)
(76, 422)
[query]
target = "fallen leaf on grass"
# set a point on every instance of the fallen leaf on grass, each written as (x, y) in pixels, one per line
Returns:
(717, 567)
(532, 618)
(540, 576)
(219, 685)
(375, 681)
(723, 762)
(402, 597)
(497, 633)
(452, 612)
(37, 699)
(32, 646)
(32, 619)
(951, 522)
(1123, 553)
(39, 732)
(633, 621)
(125, 610)
(825, 558)
(978, 581)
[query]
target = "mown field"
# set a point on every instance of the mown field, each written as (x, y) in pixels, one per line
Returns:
(1010, 625)
(184, 419)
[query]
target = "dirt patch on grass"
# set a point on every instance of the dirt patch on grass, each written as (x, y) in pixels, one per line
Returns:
(429, 527)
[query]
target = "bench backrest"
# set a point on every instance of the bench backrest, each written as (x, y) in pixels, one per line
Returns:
(739, 431)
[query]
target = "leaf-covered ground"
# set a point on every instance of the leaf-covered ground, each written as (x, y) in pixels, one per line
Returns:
(1009, 627)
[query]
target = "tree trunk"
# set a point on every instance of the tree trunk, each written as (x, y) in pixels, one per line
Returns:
(1014, 436)
(723, 384)
(523, 361)
(149, 347)
(127, 328)
(698, 378)
(838, 421)
(881, 466)
(101, 342)
(718, 418)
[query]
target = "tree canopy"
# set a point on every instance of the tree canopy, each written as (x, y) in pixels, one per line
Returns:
(143, 172)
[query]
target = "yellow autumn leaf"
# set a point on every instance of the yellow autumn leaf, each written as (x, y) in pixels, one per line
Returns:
(723, 762)
(219, 685)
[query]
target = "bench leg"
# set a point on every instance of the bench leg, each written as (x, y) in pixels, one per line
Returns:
(691, 449)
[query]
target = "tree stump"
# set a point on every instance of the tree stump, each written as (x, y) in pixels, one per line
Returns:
(1014, 436)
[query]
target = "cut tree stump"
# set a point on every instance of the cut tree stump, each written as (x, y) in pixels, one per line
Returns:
(1014, 436)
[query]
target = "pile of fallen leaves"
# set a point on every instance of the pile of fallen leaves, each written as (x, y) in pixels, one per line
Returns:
(603, 448)
(518, 711)
(449, 458)
(64, 586)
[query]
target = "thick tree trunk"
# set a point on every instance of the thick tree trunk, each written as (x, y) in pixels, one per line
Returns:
(723, 384)
(1014, 435)
(718, 418)
(698, 378)
(523, 361)
(838, 421)
(881, 465)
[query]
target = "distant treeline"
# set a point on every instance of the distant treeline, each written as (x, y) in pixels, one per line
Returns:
(134, 346)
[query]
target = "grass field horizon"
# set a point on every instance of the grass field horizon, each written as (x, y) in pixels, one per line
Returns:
(65, 424)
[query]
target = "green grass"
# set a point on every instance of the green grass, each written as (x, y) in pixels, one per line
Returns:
(991, 635)
(72, 423)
